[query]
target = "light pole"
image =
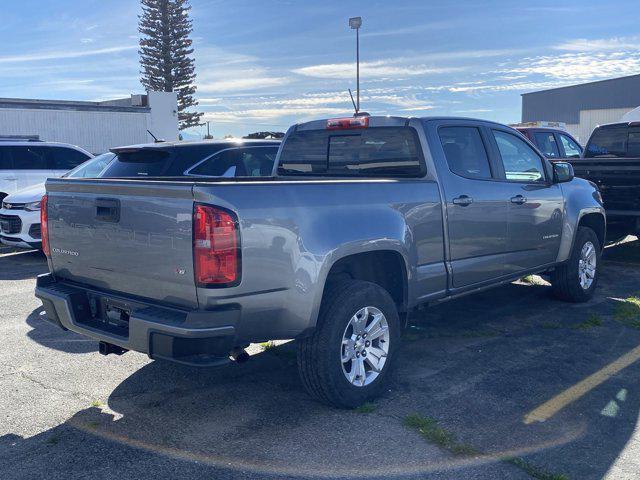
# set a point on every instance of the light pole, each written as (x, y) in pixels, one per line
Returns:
(355, 23)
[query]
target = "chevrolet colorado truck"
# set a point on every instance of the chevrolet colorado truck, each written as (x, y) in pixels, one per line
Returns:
(362, 220)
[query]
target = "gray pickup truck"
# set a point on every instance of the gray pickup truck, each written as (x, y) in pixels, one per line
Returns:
(363, 219)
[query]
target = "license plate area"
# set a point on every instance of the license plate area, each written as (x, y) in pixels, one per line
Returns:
(107, 314)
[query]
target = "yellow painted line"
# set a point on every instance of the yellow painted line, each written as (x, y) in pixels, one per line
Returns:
(571, 394)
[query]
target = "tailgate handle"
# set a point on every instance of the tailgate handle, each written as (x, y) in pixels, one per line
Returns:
(108, 209)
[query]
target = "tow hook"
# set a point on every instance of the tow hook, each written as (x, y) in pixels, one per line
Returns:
(239, 355)
(106, 348)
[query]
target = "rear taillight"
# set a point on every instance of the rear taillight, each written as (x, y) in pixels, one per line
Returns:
(216, 247)
(44, 226)
(346, 123)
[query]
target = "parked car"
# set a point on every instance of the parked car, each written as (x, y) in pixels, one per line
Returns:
(367, 218)
(554, 143)
(612, 161)
(27, 163)
(20, 212)
(228, 158)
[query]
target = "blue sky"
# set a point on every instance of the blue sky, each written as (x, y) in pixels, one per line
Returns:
(263, 65)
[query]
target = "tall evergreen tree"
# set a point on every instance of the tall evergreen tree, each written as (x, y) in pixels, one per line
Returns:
(166, 54)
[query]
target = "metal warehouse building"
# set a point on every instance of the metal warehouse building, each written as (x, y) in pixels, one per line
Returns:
(583, 107)
(94, 126)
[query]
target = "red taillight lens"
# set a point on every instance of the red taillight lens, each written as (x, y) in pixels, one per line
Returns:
(349, 122)
(216, 249)
(44, 226)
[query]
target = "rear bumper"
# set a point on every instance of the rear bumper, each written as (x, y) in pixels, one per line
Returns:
(190, 337)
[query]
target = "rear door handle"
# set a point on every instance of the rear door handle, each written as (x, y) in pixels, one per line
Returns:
(463, 200)
(519, 200)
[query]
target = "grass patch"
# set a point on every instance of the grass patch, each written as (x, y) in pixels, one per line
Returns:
(53, 440)
(533, 280)
(434, 433)
(365, 408)
(278, 350)
(93, 425)
(97, 404)
(628, 312)
(532, 470)
(594, 320)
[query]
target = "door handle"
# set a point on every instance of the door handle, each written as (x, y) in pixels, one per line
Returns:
(519, 200)
(108, 210)
(463, 200)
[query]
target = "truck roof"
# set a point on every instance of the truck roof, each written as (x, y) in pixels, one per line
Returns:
(194, 143)
(385, 120)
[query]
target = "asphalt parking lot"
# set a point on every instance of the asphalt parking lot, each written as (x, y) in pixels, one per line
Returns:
(507, 384)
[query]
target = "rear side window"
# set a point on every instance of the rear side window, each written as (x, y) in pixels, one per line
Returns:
(29, 158)
(381, 151)
(223, 164)
(571, 148)
(546, 143)
(521, 163)
(138, 163)
(465, 151)
(608, 142)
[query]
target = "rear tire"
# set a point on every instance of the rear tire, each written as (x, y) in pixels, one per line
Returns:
(358, 332)
(576, 280)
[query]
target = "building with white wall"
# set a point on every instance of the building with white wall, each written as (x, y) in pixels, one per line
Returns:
(583, 107)
(94, 126)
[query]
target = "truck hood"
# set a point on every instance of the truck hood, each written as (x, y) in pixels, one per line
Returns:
(27, 195)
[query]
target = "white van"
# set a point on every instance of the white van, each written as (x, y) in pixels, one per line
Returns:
(27, 163)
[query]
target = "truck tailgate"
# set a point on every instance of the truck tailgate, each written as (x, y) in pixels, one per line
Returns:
(124, 236)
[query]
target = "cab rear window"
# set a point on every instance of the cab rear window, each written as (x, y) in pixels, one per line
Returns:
(381, 151)
(139, 163)
(608, 142)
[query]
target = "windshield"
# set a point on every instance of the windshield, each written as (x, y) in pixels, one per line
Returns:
(91, 168)
(392, 151)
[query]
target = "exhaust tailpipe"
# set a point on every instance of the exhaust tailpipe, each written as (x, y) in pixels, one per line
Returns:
(107, 348)
(239, 355)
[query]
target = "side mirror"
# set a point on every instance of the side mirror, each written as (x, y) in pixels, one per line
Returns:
(562, 172)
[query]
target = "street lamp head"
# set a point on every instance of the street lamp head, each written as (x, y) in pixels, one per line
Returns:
(355, 22)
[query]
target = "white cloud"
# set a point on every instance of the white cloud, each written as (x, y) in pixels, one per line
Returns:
(238, 84)
(262, 114)
(33, 57)
(601, 44)
(378, 68)
(580, 66)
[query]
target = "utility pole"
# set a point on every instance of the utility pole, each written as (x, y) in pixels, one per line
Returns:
(208, 136)
(355, 23)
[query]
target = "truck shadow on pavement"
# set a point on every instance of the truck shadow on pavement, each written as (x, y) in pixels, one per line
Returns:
(18, 264)
(51, 336)
(506, 373)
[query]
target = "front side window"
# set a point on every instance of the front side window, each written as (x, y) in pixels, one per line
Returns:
(521, 163)
(546, 143)
(257, 161)
(465, 152)
(608, 142)
(380, 151)
(571, 148)
(61, 158)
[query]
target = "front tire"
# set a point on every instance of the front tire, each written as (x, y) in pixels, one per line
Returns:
(576, 280)
(348, 359)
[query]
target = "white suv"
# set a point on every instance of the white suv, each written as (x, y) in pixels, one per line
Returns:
(27, 163)
(20, 212)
